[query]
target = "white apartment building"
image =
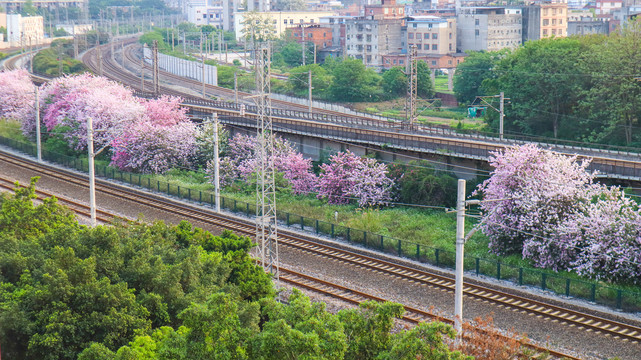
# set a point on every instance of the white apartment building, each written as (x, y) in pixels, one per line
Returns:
(22, 30)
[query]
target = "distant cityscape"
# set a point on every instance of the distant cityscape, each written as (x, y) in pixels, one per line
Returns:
(380, 33)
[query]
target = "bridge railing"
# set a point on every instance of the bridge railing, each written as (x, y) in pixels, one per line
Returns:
(397, 126)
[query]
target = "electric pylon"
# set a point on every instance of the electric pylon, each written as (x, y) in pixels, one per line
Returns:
(154, 49)
(266, 229)
(410, 107)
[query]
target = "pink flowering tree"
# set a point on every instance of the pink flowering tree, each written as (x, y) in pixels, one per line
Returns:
(17, 96)
(530, 193)
(606, 238)
(239, 163)
(71, 100)
(162, 139)
(298, 171)
(347, 176)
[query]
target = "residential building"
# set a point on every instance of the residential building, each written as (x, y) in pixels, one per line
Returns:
(488, 28)
(337, 24)
(23, 30)
(588, 26)
(607, 7)
(281, 20)
(434, 61)
(544, 20)
(75, 29)
(321, 36)
(431, 34)
(368, 38)
(387, 9)
(217, 13)
(17, 5)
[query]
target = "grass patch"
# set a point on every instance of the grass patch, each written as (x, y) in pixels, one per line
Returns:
(440, 84)
(11, 129)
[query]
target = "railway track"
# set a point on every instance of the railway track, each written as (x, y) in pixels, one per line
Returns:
(571, 318)
(337, 126)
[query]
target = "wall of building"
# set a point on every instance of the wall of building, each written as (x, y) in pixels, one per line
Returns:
(281, 20)
(369, 39)
(504, 31)
(436, 36)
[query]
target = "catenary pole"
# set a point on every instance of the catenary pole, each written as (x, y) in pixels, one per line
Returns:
(216, 164)
(92, 180)
(460, 247)
(38, 141)
(309, 84)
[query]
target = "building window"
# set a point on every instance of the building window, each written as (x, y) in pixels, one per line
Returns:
(393, 62)
(449, 62)
(450, 46)
(553, 21)
(285, 21)
(433, 62)
(435, 36)
(546, 22)
(476, 32)
(419, 47)
(410, 35)
(434, 47)
(545, 32)
(426, 36)
(291, 21)
(450, 35)
(476, 22)
(401, 62)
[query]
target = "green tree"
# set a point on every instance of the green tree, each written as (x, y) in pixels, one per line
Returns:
(368, 328)
(419, 183)
(257, 27)
(28, 9)
(470, 74)
(394, 82)
(354, 82)
(611, 103)
(290, 5)
(541, 79)
(149, 37)
(298, 80)
(425, 341)
(424, 87)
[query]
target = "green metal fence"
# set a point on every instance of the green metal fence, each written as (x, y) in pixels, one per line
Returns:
(629, 301)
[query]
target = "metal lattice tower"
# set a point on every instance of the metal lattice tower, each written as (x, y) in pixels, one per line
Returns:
(154, 50)
(411, 87)
(266, 229)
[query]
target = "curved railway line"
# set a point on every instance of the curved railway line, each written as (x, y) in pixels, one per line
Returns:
(362, 130)
(308, 244)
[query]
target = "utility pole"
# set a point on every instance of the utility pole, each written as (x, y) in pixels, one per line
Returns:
(154, 49)
(92, 178)
(266, 226)
(460, 248)
(461, 203)
(303, 39)
(236, 87)
(501, 114)
(500, 110)
(142, 72)
(216, 163)
(38, 141)
(202, 56)
(309, 83)
(412, 84)
(172, 40)
(99, 55)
